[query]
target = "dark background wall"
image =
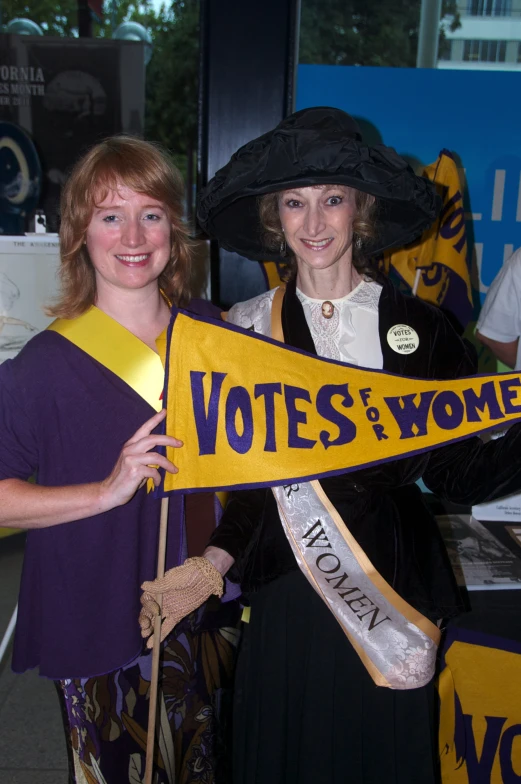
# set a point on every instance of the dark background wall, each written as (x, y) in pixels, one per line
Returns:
(247, 86)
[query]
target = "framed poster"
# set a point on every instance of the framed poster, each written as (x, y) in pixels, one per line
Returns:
(28, 281)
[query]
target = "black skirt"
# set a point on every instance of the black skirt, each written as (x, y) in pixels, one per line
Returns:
(306, 710)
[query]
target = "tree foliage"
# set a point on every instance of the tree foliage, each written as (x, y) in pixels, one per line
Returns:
(60, 17)
(333, 32)
(364, 32)
(172, 77)
(56, 17)
(172, 73)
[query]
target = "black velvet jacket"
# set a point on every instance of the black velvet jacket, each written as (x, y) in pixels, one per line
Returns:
(382, 505)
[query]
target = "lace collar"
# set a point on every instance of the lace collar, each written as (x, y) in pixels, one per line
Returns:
(365, 295)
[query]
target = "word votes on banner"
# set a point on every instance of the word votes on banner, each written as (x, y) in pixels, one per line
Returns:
(253, 412)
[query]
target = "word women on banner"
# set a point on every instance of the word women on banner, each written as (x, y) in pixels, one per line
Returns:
(239, 415)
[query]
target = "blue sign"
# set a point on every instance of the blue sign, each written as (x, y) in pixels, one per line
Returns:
(475, 114)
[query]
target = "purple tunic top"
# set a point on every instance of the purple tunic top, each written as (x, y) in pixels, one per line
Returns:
(66, 417)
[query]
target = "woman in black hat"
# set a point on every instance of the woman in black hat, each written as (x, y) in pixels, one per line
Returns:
(306, 705)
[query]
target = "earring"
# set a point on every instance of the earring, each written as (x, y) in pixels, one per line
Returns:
(282, 249)
(358, 243)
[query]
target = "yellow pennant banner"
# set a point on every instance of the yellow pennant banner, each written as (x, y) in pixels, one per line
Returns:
(480, 714)
(435, 267)
(254, 412)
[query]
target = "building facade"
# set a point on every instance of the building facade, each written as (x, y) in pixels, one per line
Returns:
(489, 37)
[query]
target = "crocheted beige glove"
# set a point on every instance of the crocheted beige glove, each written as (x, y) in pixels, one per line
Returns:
(184, 589)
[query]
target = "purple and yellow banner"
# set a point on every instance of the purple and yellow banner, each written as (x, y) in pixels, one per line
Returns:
(435, 268)
(253, 412)
(480, 714)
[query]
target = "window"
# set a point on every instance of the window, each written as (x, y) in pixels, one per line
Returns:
(489, 7)
(485, 51)
(445, 49)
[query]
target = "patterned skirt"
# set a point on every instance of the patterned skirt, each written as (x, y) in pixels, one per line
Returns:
(106, 717)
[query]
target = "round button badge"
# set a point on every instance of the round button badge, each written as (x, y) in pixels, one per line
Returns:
(403, 339)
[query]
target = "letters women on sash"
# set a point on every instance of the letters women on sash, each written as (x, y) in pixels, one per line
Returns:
(396, 643)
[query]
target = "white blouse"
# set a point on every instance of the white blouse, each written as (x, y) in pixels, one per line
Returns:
(351, 334)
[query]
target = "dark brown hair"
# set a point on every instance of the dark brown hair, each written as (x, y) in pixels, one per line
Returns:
(143, 167)
(364, 228)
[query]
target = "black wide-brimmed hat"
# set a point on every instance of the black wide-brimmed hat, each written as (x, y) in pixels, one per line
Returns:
(314, 146)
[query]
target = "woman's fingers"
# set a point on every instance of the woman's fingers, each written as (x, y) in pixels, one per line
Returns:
(150, 425)
(144, 440)
(147, 427)
(166, 627)
(150, 442)
(153, 474)
(138, 461)
(149, 460)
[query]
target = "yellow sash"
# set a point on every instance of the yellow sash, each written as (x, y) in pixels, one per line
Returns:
(120, 351)
(123, 353)
(117, 349)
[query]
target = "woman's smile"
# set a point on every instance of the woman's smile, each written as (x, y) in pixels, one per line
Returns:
(134, 261)
(318, 245)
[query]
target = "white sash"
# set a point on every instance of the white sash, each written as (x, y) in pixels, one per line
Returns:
(395, 642)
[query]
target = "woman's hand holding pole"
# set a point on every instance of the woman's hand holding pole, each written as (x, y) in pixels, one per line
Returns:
(137, 463)
(183, 589)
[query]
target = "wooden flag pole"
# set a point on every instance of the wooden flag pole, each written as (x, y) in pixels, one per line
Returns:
(154, 680)
(416, 282)
(8, 634)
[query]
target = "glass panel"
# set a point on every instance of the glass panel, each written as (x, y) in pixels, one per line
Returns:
(377, 33)
(445, 50)
(503, 7)
(386, 33)
(487, 8)
(171, 74)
